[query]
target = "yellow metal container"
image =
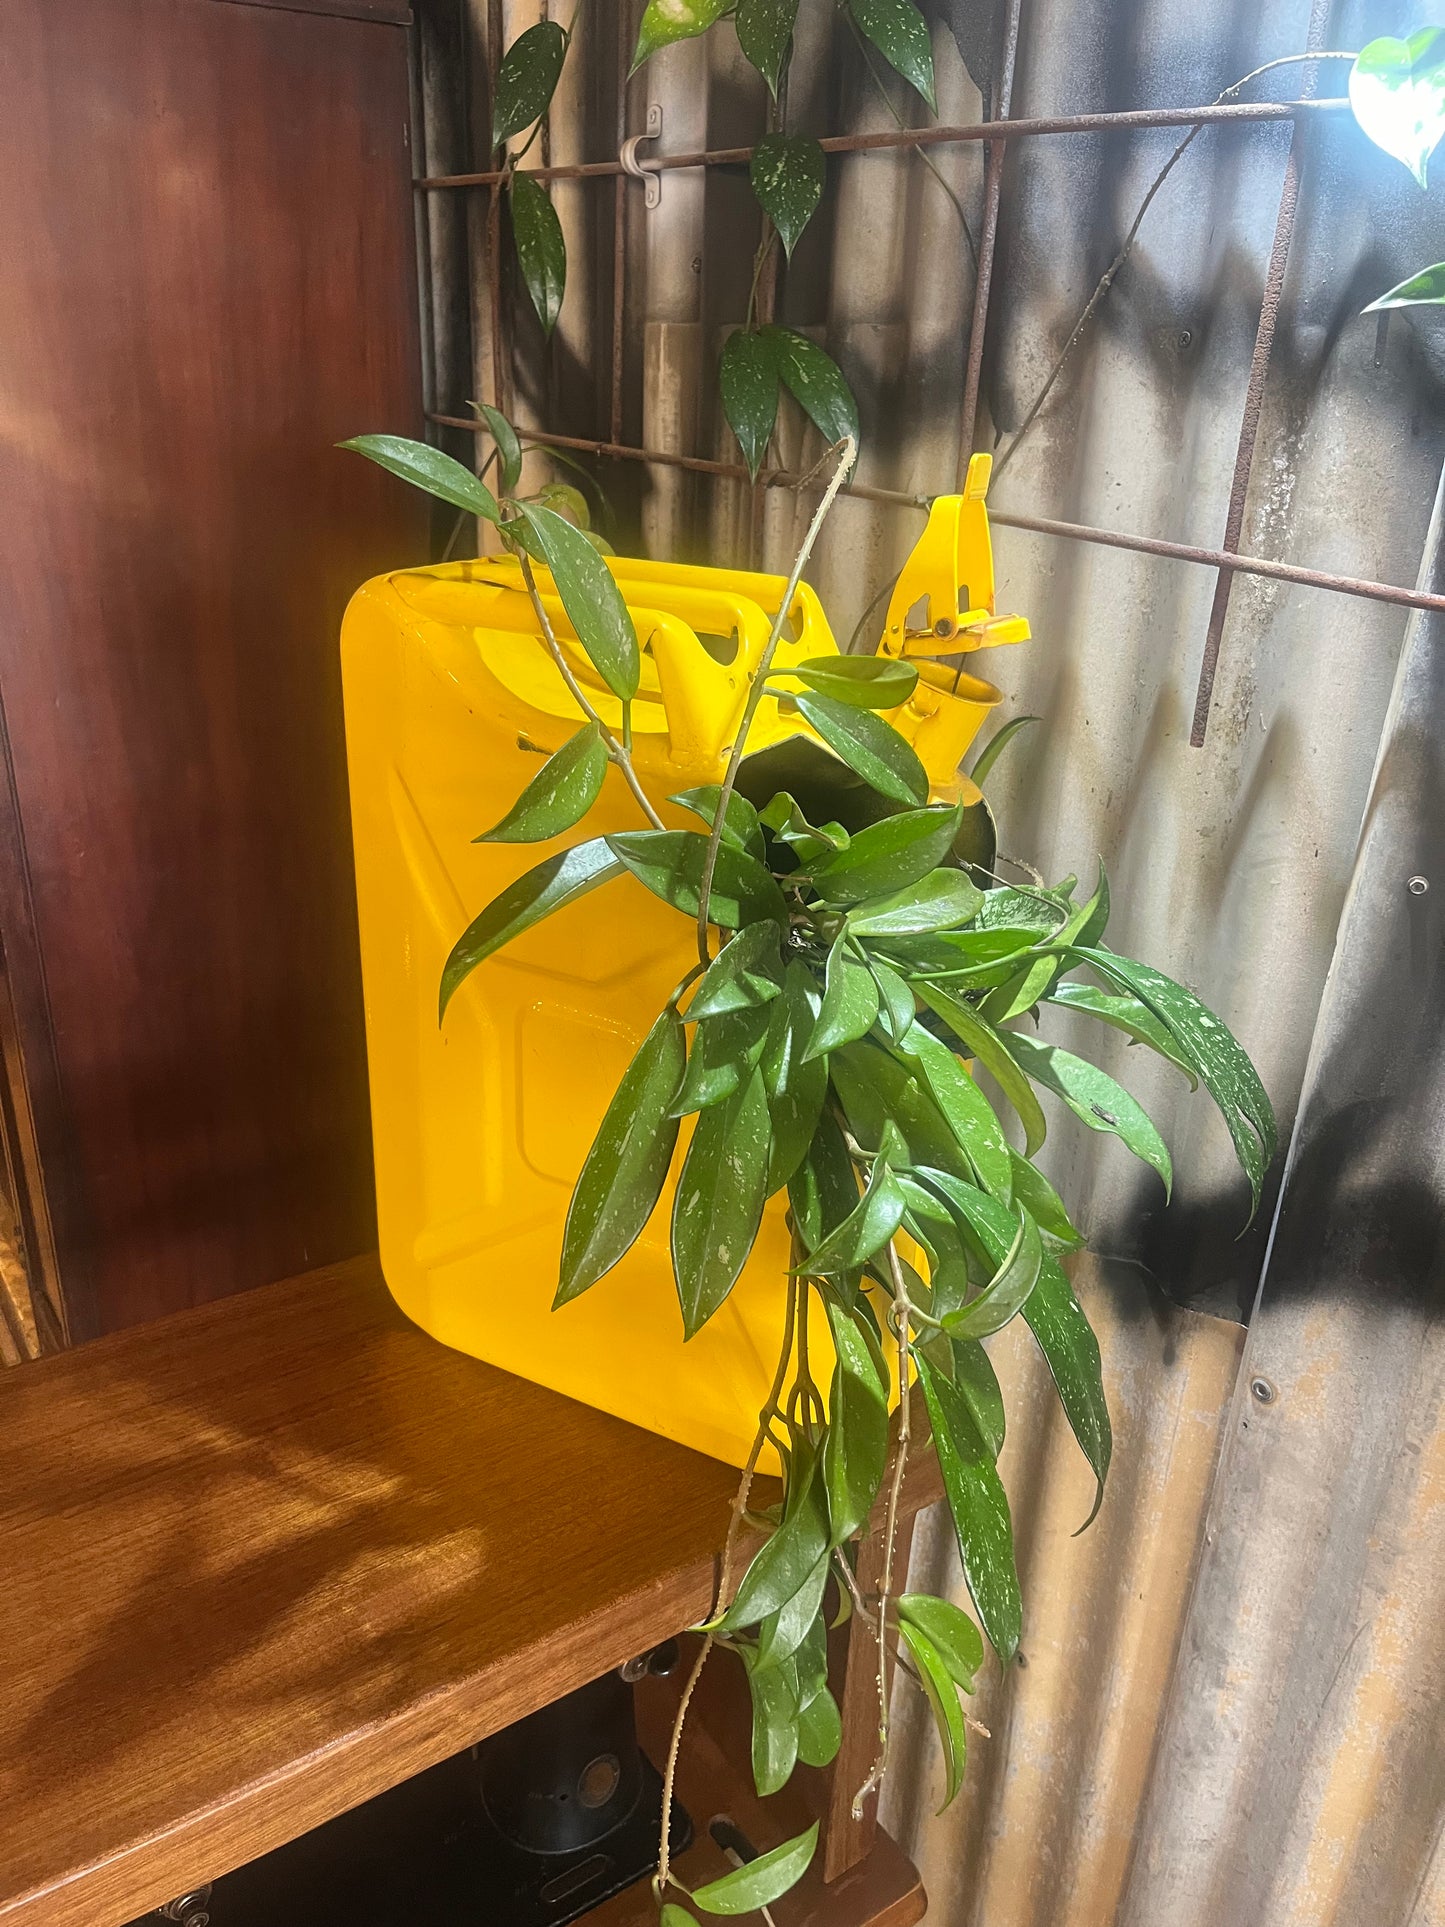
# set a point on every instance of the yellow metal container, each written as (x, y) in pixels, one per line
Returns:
(481, 1126)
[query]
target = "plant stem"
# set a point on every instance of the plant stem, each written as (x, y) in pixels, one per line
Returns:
(845, 1572)
(921, 152)
(740, 1500)
(764, 249)
(755, 692)
(903, 1311)
(620, 753)
(1107, 278)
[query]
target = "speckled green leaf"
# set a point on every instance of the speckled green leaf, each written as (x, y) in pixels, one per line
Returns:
(784, 1563)
(820, 1730)
(900, 33)
(1094, 1097)
(816, 383)
(747, 972)
(850, 1002)
(1042, 1202)
(823, 1189)
(1423, 290)
(942, 1698)
(671, 862)
(979, 1507)
(764, 28)
(509, 448)
(665, 21)
(968, 1112)
(868, 682)
(1066, 1338)
(796, 1086)
(559, 795)
(1221, 1062)
(1127, 1013)
(627, 1165)
(724, 1053)
(547, 887)
(953, 1633)
(1007, 1291)
(541, 250)
(939, 901)
(787, 172)
(897, 1006)
(427, 468)
(856, 1448)
(865, 1230)
(590, 596)
(748, 383)
(783, 1632)
(870, 746)
(980, 1040)
(761, 1881)
(774, 1692)
(740, 824)
(1397, 91)
(527, 79)
(888, 855)
(721, 1191)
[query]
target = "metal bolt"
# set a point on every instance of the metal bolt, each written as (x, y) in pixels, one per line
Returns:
(1263, 1391)
(1417, 886)
(190, 1909)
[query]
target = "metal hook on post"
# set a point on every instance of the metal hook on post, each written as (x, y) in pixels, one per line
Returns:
(639, 170)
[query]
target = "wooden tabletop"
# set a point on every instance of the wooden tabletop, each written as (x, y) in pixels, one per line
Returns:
(270, 1557)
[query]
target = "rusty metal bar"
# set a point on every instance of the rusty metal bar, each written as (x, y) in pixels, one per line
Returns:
(1351, 585)
(494, 214)
(1125, 120)
(1254, 392)
(983, 280)
(619, 232)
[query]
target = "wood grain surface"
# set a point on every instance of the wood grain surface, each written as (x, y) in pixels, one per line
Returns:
(209, 278)
(268, 1557)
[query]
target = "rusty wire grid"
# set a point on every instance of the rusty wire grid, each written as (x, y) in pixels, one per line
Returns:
(997, 134)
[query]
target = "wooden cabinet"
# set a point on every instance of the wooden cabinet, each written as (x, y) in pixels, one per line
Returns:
(270, 1557)
(207, 276)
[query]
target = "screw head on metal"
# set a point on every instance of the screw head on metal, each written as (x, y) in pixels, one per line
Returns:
(1417, 886)
(1263, 1391)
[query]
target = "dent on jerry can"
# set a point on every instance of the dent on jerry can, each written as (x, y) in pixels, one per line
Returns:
(481, 1125)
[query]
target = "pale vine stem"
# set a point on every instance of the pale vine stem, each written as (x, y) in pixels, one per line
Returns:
(922, 152)
(1106, 280)
(730, 1545)
(903, 1312)
(755, 692)
(620, 753)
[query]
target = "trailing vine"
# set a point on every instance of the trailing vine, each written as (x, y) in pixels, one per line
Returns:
(821, 1046)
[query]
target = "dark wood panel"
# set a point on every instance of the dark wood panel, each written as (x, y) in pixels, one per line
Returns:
(209, 272)
(394, 10)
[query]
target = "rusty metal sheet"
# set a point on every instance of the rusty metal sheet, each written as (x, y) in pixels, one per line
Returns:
(1302, 1778)
(1042, 1833)
(1296, 1769)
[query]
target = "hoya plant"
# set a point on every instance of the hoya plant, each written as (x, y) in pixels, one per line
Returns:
(850, 985)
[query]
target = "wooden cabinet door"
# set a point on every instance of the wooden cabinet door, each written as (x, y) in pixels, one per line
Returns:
(207, 278)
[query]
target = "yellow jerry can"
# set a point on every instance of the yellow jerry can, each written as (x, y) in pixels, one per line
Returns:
(481, 1125)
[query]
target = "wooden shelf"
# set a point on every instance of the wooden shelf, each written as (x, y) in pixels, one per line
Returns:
(268, 1558)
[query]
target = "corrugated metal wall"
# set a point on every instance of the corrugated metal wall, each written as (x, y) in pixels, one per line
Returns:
(1229, 865)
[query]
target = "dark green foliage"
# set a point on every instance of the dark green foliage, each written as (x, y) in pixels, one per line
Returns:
(847, 988)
